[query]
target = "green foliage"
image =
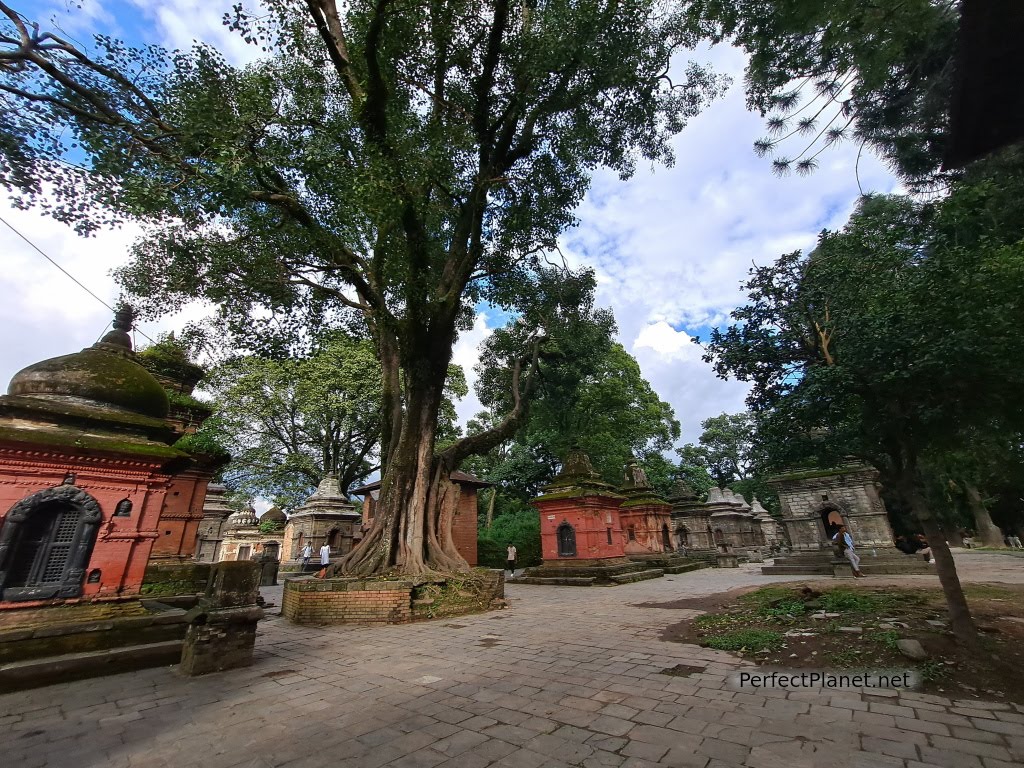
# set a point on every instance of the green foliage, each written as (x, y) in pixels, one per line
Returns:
(750, 640)
(596, 398)
(520, 528)
(203, 443)
(403, 165)
(842, 600)
(289, 422)
(727, 455)
(888, 638)
(880, 73)
(181, 400)
(270, 526)
(888, 342)
(932, 670)
(785, 608)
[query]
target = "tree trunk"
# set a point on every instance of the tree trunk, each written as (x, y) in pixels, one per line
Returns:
(960, 620)
(411, 529)
(490, 506)
(984, 528)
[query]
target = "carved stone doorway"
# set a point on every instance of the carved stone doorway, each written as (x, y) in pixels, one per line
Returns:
(566, 540)
(45, 544)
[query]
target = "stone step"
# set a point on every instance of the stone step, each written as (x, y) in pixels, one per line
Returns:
(796, 570)
(583, 571)
(562, 581)
(629, 578)
(33, 673)
(687, 567)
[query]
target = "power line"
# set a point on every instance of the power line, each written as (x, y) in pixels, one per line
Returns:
(77, 282)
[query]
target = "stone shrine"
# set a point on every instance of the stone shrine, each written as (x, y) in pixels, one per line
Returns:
(815, 502)
(211, 529)
(644, 516)
(724, 523)
(327, 516)
(88, 476)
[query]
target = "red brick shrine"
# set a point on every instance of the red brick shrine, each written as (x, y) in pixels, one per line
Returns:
(91, 486)
(594, 533)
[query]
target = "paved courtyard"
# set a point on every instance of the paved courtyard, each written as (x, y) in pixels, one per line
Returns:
(563, 677)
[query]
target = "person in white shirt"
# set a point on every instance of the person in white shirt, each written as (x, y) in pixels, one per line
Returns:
(844, 540)
(307, 553)
(510, 565)
(325, 554)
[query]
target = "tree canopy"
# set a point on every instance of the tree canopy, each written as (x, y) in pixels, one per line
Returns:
(599, 401)
(821, 73)
(402, 161)
(287, 423)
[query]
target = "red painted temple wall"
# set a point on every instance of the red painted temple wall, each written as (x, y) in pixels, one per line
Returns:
(123, 544)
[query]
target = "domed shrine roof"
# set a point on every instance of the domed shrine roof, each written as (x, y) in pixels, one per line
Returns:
(105, 375)
(273, 515)
(245, 518)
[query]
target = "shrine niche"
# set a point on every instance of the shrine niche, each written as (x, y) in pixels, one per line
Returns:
(45, 543)
(816, 502)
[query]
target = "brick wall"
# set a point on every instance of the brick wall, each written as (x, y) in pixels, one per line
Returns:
(347, 601)
(464, 526)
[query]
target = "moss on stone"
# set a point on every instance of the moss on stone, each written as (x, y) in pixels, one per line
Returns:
(102, 373)
(74, 440)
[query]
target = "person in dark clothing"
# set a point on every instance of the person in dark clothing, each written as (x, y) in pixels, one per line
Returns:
(904, 546)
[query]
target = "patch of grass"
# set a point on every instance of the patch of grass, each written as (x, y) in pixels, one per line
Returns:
(839, 600)
(746, 639)
(784, 608)
(847, 657)
(989, 591)
(714, 620)
(932, 670)
(889, 638)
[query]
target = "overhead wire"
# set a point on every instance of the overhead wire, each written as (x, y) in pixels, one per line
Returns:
(74, 279)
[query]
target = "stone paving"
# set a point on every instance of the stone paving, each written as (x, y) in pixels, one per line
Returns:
(564, 677)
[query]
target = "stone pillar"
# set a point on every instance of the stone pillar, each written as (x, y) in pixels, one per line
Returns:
(222, 628)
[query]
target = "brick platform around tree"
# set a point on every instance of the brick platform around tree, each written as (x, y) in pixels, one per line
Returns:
(322, 602)
(325, 602)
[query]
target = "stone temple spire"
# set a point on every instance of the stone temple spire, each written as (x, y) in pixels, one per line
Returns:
(124, 319)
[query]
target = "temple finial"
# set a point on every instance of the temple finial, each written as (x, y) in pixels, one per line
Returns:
(124, 319)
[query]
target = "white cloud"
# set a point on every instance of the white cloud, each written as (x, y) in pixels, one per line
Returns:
(467, 354)
(181, 23)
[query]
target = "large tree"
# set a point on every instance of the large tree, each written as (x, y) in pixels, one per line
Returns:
(889, 342)
(403, 160)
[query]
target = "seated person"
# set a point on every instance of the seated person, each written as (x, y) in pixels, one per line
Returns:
(923, 548)
(904, 546)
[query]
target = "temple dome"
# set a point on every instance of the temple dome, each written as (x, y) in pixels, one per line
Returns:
(273, 515)
(105, 374)
(245, 518)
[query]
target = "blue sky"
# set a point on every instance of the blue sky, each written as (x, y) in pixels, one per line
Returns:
(670, 247)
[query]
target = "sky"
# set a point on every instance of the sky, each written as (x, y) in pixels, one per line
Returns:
(670, 247)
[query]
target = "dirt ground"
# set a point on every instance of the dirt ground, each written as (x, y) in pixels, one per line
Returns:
(774, 626)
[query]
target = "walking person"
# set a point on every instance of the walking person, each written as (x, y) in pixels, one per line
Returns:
(845, 540)
(510, 565)
(307, 553)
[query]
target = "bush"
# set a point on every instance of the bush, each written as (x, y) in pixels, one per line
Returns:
(521, 528)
